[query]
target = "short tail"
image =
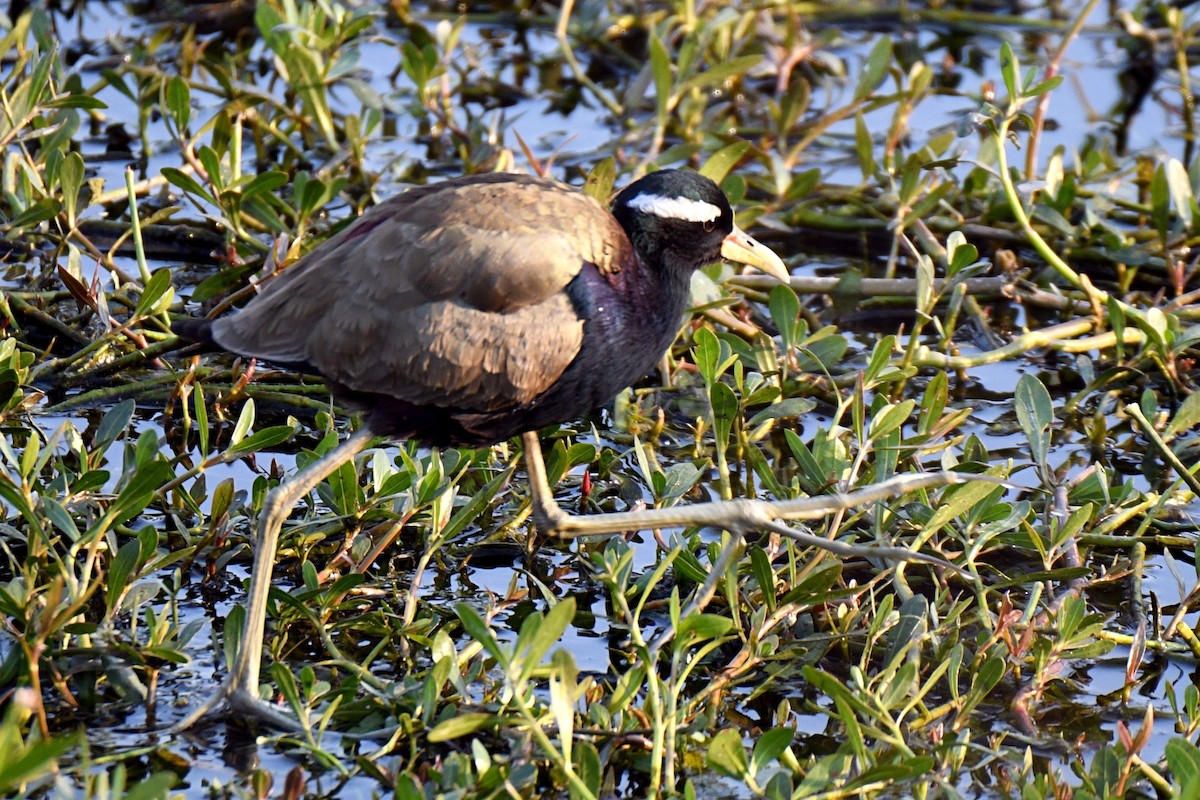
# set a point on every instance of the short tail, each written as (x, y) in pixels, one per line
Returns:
(197, 330)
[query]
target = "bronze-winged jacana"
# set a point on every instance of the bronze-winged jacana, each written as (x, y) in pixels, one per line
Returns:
(473, 310)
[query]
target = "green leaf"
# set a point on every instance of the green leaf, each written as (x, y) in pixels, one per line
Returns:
(1184, 760)
(563, 680)
(1160, 202)
(152, 788)
(1010, 69)
(958, 500)
(762, 468)
(816, 586)
(770, 746)
(157, 295)
(813, 474)
(724, 409)
(201, 413)
(59, 517)
(137, 494)
(1048, 85)
(791, 408)
(75, 101)
(660, 70)
(344, 483)
(264, 183)
(881, 356)
(408, 787)
(587, 765)
(720, 163)
(188, 184)
(600, 180)
(211, 161)
(1186, 418)
(286, 683)
(864, 147)
(538, 634)
(727, 755)
(784, 306)
(478, 630)
(462, 724)
(36, 761)
(911, 627)
(890, 418)
(703, 626)
(1180, 187)
(179, 102)
(984, 679)
(1116, 320)
(707, 354)
(263, 439)
(112, 424)
(42, 210)
(719, 73)
(244, 423)
(70, 175)
(122, 567)
(764, 574)
(1035, 413)
(678, 480)
(960, 253)
(875, 68)
(891, 774)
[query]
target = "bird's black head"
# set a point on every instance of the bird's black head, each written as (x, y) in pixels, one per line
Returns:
(675, 217)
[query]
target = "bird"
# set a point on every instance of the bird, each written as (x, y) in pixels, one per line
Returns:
(467, 312)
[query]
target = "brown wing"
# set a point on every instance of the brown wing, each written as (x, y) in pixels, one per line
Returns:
(450, 295)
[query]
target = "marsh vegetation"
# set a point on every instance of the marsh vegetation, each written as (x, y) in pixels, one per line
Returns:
(990, 215)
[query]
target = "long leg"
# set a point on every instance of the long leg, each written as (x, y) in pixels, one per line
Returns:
(547, 515)
(240, 688)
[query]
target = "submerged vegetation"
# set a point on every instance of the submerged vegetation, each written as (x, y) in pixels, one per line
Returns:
(994, 274)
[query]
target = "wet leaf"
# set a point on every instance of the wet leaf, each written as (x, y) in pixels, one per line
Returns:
(878, 61)
(1035, 413)
(587, 764)
(179, 102)
(600, 181)
(157, 295)
(769, 747)
(120, 572)
(727, 754)
(703, 627)
(1010, 70)
(462, 724)
(720, 163)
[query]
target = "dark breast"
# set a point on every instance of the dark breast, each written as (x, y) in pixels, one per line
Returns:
(467, 312)
(630, 319)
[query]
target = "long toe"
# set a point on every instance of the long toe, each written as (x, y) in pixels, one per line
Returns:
(214, 704)
(241, 701)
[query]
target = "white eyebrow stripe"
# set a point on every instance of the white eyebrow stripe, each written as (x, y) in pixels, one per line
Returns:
(675, 208)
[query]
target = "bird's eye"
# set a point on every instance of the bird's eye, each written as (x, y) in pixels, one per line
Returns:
(710, 226)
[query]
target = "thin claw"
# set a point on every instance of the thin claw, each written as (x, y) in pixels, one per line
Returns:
(739, 516)
(243, 702)
(863, 551)
(214, 701)
(238, 700)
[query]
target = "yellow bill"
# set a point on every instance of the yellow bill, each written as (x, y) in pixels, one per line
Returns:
(745, 249)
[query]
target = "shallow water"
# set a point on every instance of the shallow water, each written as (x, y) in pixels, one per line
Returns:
(213, 759)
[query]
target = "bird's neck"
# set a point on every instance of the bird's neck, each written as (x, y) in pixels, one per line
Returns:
(659, 283)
